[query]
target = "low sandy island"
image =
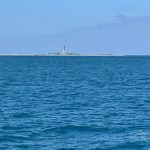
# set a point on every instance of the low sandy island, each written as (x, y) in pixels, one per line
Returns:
(51, 55)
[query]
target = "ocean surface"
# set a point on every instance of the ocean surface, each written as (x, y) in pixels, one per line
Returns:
(75, 103)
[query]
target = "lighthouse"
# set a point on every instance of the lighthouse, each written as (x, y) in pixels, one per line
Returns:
(64, 50)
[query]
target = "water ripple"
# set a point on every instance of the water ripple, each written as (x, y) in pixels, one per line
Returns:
(74, 103)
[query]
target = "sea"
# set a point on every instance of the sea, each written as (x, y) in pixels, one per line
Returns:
(75, 103)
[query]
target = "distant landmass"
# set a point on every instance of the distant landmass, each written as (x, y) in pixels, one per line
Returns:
(58, 54)
(63, 53)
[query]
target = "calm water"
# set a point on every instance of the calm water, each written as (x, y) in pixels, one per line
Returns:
(74, 103)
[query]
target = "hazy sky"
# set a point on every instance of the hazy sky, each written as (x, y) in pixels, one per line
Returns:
(27, 18)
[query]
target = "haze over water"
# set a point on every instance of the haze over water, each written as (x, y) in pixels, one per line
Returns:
(90, 103)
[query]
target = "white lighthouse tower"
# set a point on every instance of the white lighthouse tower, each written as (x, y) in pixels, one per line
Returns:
(64, 50)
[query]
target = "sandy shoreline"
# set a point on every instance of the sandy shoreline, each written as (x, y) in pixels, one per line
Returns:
(79, 55)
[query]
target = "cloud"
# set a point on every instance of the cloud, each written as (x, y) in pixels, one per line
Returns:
(133, 19)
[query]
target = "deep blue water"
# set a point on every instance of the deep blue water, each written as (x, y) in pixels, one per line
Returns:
(75, 103)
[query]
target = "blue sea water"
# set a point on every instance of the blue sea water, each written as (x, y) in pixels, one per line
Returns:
(74, 103)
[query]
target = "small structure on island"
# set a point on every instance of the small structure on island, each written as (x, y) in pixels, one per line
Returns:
(63, 53)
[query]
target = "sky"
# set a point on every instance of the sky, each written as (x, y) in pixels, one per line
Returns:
(38, 26)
